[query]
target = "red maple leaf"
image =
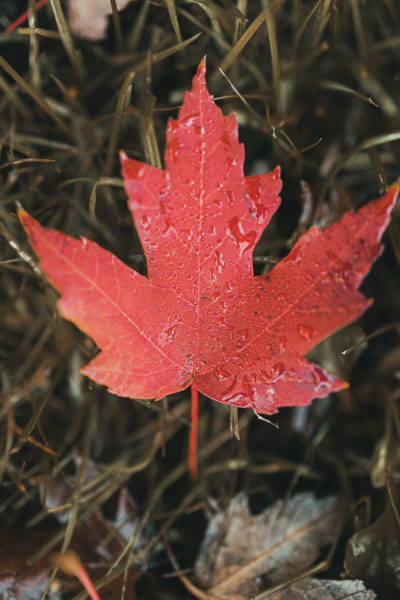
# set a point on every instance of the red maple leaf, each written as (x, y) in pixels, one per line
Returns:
(201, 317)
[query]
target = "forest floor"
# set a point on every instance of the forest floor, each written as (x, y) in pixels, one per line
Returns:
(315, 85)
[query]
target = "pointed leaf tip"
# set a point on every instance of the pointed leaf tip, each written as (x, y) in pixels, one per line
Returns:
(24, 218)
(202, 66)
(276, 173)
(200, 76)
(393, 191)
(20, 211)
(386, 203)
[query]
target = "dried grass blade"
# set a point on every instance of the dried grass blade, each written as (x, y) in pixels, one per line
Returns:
(46, 33)
(235, 11)
(158, 56)
(387, 101)
(74, 514)
(121, 103)
(340, 87)
(134, 37)
(377, 166)
(22, 161)
(370, 143)
(14, 99)
(66, 38)
(273, 45)
(234, 52)
(203, 28)
(148, 134)
(33, 46)
(324, 16)
(174, 19)
(117, 25)
(358, 27)
(242, 98)
(34, 94)
(240, 23)
(302, 27)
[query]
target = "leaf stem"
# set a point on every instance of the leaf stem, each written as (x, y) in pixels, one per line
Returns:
(71, 564)
(192, 457)
(24, 17)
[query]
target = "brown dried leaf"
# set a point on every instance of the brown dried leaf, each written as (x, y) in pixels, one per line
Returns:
(18, 580)
(116, 529)
(315, 589)
(277, 544)
(88, 19)
(373, 555)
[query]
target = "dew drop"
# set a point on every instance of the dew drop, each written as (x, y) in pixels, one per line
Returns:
(212, 277)
(305, 331)
(145, 222)
(166, 219)
(261, 211)
(233, 398)
(230, 197)
(218, 202)
(201, 364)
(174, 146)
(243, 336)
(221, 322)
(321, 380)
(282, 344)
(219, 261)
(189, 122)
(223, 306)
(213, 296)
(244, 241)
(222, 374)
(281, 298)
(277, 371)
(316, 264)
(167, 335)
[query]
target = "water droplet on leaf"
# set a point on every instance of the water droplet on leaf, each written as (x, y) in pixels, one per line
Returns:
(244, 241)
(305, 331)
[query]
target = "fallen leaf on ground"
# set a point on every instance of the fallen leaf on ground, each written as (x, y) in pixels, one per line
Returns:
(373, 555)
(325, 589)
(277, 544)
(118, 527)
(18, 579)
(89, 18)
(201, 318)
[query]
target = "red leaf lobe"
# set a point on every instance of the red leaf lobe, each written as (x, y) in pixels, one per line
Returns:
(201, 316)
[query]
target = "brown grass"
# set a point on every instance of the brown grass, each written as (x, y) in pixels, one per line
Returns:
(315, 85)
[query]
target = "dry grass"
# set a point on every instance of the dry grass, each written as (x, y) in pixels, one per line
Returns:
(315, 85)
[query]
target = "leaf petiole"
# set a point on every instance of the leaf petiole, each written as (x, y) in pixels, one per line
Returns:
(192, 456)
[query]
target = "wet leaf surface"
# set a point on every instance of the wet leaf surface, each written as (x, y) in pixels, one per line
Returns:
(18, 579)
(318, 589)
(201, 317)
(240, 549)
(374, 554)
(60, 137)
(21, 580)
